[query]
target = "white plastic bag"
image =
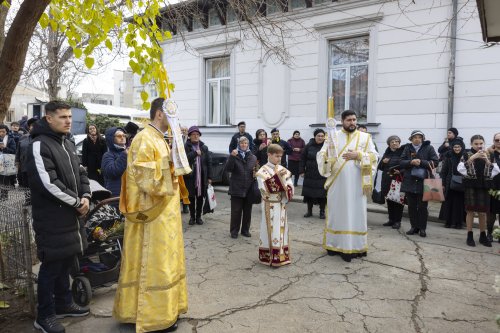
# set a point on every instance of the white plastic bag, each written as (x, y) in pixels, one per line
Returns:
(211, 197)
(8, 164)
(395, 193)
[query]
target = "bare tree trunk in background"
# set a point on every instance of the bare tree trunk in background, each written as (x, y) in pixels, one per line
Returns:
(14, 50)
(3, 17)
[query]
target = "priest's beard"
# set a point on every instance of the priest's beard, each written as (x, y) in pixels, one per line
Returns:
(350, 129)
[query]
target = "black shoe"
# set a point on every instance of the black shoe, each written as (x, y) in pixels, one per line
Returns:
(172, 328)
(412, 231)
(199, 221)
(396, 225)
(185, 209)
(422, 233)
(49, 325)
(308, 214)
(246, 234)
(459, 226)
(484, 240)
(331, 253)
(346, 257)
(234, 235)
(470, 239)
(447, 226)
(192, 221)
(72, 310)
(322, 215)
(388, 224)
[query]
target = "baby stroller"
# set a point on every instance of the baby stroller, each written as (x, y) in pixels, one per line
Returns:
(99, 266)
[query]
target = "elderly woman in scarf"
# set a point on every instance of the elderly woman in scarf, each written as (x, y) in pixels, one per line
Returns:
(197, 182)
(241, 165)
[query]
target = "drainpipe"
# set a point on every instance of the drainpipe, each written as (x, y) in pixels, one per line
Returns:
(451, 71)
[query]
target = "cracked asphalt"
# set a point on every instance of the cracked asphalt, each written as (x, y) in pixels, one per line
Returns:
(405, 284)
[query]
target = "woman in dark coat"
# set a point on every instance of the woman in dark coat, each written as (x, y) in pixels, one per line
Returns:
(297, 144)
(241, 164)
(197, 181)
(260, 146)
(453, 209)
(114, 161)
(419, 154)
(389, 164)
(93, 147)
(495, 193)
(313, 189)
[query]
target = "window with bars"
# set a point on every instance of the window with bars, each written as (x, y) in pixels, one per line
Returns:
(218, 95)
(348, 75)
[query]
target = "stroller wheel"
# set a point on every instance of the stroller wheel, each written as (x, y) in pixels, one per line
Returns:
(81, 290)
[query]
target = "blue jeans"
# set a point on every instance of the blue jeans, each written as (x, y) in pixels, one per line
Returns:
(53, 286)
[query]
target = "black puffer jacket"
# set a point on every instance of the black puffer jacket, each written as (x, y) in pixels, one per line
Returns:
(426, 154)
(313, 182)
(394, 160)
(206, 168)
(241, 174)
(57, 183)
(261, 155)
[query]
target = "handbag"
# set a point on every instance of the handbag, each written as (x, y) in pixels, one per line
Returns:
(395, 193)
(456, 183)
(377, 196)
(433, 187)
(419, 173)
(254, 193)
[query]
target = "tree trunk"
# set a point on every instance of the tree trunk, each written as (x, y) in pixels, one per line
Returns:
(54, 69)
(15, 47)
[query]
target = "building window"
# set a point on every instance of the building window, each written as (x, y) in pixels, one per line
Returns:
(317, 2)
(348, 75)
(217, 91)
(213, 18)
(297, 4)
(231, 14)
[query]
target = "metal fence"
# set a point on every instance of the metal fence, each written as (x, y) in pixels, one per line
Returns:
(17, 253)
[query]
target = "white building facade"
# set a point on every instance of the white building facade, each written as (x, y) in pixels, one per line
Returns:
(387, 60)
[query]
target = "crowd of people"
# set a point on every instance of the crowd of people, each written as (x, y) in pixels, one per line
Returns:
(166, 164)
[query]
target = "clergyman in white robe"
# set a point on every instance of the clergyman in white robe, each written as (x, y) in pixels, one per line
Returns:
(348, 182)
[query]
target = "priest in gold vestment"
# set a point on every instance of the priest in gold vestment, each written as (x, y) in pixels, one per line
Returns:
(152, 289)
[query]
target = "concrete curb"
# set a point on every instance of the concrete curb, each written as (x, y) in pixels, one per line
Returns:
(372, 208)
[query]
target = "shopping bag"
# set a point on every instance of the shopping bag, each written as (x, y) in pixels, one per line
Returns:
(211, 197)
(377, 196)
(433, 188)
(395, 193)
(8, 164)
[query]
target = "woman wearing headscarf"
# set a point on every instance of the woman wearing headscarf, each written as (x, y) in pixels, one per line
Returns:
(451, 135)
(313, 189)
(241, 164)
(389, 164)
(453, 209)
(197, 181)
(297, 144)
(93, 148)
(114, 161)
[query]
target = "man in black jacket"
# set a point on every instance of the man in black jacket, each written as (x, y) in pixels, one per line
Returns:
(60, 193)
(236, 137)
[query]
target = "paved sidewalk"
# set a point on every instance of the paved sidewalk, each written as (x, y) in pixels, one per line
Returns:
(405, 284)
